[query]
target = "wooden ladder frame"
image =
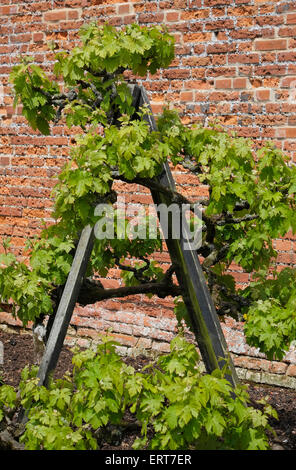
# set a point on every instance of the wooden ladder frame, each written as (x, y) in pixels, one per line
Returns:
(204, 319)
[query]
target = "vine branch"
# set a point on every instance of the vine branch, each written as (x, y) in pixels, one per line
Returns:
(92, 291)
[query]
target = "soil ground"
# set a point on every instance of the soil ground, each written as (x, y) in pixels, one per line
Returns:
(18, 352)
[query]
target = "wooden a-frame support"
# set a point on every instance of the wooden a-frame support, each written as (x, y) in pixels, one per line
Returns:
(201, 310)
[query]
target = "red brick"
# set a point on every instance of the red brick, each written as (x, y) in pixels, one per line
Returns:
(263, 95)
(247, 362)
(289, 31)
(176, 73)
(21, 38)
(90, 333)
(291, 18)
(55, 15)
(198, 72)
(243, 58)
(123, 9)
(197, 37)
(172, 16)
(275, 70)
(73, 15)
(11, 211)
(243, 33)
(278, 367)
(4, 161)
(217, 60)
(242, 11)
(223, 83)
(194, 14)
(291, 370)
(287, 57)
(271, 44)
(283, 245)
(8, 10)
(286, 132)
(144, 343)
(161, 347)
(220, 48)
(8, 319)
(124, 339)
(68, 25)
(239, 83)
(187, 96)
(221, 71)
(219, 24)
(151, 18)
(270, 20)
(212, 3)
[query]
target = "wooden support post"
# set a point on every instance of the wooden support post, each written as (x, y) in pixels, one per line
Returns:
(197, 298)
(66, 305)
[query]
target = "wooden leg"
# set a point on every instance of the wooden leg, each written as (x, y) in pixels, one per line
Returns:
(66, 306)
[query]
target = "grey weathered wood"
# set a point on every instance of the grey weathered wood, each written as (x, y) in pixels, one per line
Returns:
(199, 303)
(66, 305)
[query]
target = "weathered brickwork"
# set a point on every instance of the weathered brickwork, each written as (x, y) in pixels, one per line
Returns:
(235, 62)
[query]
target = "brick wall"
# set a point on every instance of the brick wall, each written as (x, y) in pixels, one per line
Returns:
(235, 61)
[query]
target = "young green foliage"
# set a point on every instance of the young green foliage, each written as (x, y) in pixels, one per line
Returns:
(176, 405)
(271, 318)
(190, 410)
